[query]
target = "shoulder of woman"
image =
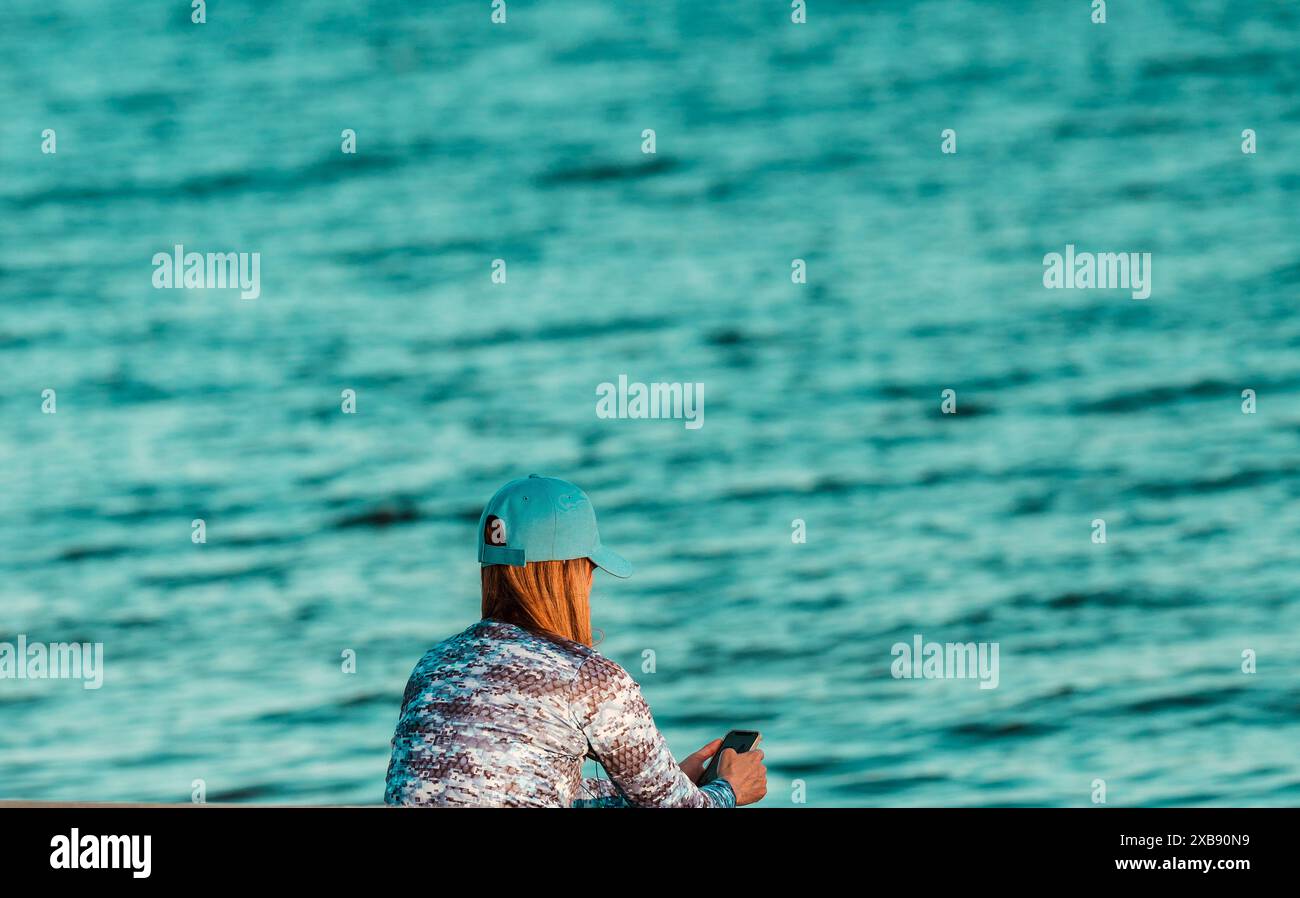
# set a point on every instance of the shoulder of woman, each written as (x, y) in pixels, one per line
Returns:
(604, 674)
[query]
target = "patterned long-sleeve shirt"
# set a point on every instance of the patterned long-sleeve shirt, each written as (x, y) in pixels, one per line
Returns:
(497, 715)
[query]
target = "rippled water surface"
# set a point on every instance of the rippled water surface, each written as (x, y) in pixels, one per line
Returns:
(329, 532)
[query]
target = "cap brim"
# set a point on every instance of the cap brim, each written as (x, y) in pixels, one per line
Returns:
(611, 562)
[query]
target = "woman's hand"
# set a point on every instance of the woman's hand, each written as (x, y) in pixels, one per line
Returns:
(746, 774)
(694, 764)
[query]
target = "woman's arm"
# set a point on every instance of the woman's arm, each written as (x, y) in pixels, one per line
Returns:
(598, 792)
(608, 706)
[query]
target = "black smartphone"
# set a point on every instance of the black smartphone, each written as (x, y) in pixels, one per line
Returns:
(741, 740)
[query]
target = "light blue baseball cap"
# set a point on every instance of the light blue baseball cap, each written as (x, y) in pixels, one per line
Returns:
(538, 518)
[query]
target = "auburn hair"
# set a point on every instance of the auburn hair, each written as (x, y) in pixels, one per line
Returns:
(546, 597)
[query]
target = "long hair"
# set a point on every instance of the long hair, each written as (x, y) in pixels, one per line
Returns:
(547, 597)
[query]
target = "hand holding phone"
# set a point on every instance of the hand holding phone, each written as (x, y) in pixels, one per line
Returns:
(740, 741)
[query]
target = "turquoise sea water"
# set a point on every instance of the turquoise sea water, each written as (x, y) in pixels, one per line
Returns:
(775, 141)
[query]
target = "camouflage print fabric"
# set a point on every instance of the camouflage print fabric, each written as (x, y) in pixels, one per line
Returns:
(500, 716)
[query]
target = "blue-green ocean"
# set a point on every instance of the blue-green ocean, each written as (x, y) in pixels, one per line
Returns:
(775, 141)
